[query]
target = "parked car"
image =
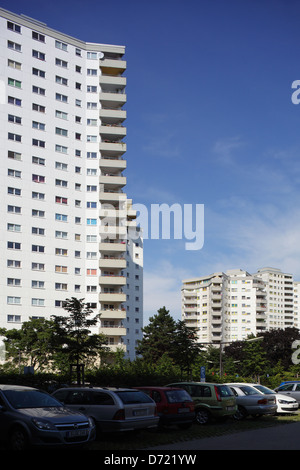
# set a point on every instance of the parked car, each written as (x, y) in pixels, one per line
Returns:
(112, 409)
(291, 389)
(285, 404)
(174, 405)
(211, 400)
(251, 402)
(29, 416)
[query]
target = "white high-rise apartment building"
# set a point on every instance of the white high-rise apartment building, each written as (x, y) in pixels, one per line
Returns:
(64, 213)
(227, 307)
(224, 307)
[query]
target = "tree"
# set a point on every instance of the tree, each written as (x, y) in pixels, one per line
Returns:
(29, 345)
(186, 348)
(72, 338)
(158, 337)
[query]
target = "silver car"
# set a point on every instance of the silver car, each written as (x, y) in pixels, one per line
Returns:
(29, 416)
(112, 409)
(291, 389)
(285, 403)
(251, 402)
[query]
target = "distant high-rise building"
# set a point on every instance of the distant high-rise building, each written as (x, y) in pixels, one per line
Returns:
(64, 213)
(227, 307)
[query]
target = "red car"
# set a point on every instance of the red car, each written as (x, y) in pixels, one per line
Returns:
(174, 405)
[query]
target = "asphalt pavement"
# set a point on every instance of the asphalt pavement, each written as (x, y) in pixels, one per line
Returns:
(281, 437)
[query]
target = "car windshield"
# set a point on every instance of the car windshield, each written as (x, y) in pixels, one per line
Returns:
(177, 396)
(129, 397)
(30, 399)
(264, 390)
(248, 390)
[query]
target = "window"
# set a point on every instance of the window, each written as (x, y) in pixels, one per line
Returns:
(91, 238)
(92, 122)
(37, 213)
(61, 45)
(38, 248)
(38, 55)
(78, 52)
(60, 97)
(39, 143)
(14, 119)
(14, 173)
(91, 205)
(14, 46)
(61, 63)
(13, 64)
(91, 138)
(13, 282)
(91, 188)
(92, 55)
(59, 234)
(61, 252)
(38, 178)
(38, 36)
(61, 200)
(14, 101)
(91, 272)
(92, 71)
(14, 82)
(61, 115)
(61, 217)
(15, 137)
(38, 90)
(38, 107)
(13, 227)
(38, 266)
(38, 72)
(61, 286)
(38, 125)
(14, 246)
(91, 105)
(91, 89)
(39, 196)
(61, 80)
(61, 148)
(13, 318)
(14, 209)
(91, 155)
(13, 300)
(38, 161)
(13, 27)
(61, 166)
(12, 263)
(38, 284)
(14, 191)
(62, 183)
(60, 131)
(38, 302)
(37, 231)
(91, 221)
(14, 155)
(61, 269)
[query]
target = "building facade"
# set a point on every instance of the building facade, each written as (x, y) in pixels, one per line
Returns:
(65, 215)
(229, 306)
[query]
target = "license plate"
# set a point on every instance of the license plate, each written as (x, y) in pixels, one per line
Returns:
(183, 410)
(230, 408)
(139, 412)
(77, 432)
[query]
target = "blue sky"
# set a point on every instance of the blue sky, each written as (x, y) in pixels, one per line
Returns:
(210, 121)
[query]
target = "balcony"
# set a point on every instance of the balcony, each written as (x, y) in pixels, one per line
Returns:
(109, 313)
(110, 247)
(111, 231)
(112, 116)
(110, 163)
(112, 67)
(112, 262)
(112, 213)
(112, 100)
(113, 330)
(111, 196)
(111, 132)
(112, 297)
(112, 280)
(114, 181)
(115, 148)
(109, 82)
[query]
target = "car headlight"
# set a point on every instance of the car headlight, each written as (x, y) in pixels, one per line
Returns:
(284, 402)
(43, 424)
(91, 422)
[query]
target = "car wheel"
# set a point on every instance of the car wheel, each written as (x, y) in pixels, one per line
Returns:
(18, 439)
(240, 413)
(202, 416)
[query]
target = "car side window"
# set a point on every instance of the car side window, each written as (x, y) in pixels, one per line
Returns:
(101, 398)
(297, 387)
(205, 391)
(285, 388)
(77, 398)
(156, 396)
